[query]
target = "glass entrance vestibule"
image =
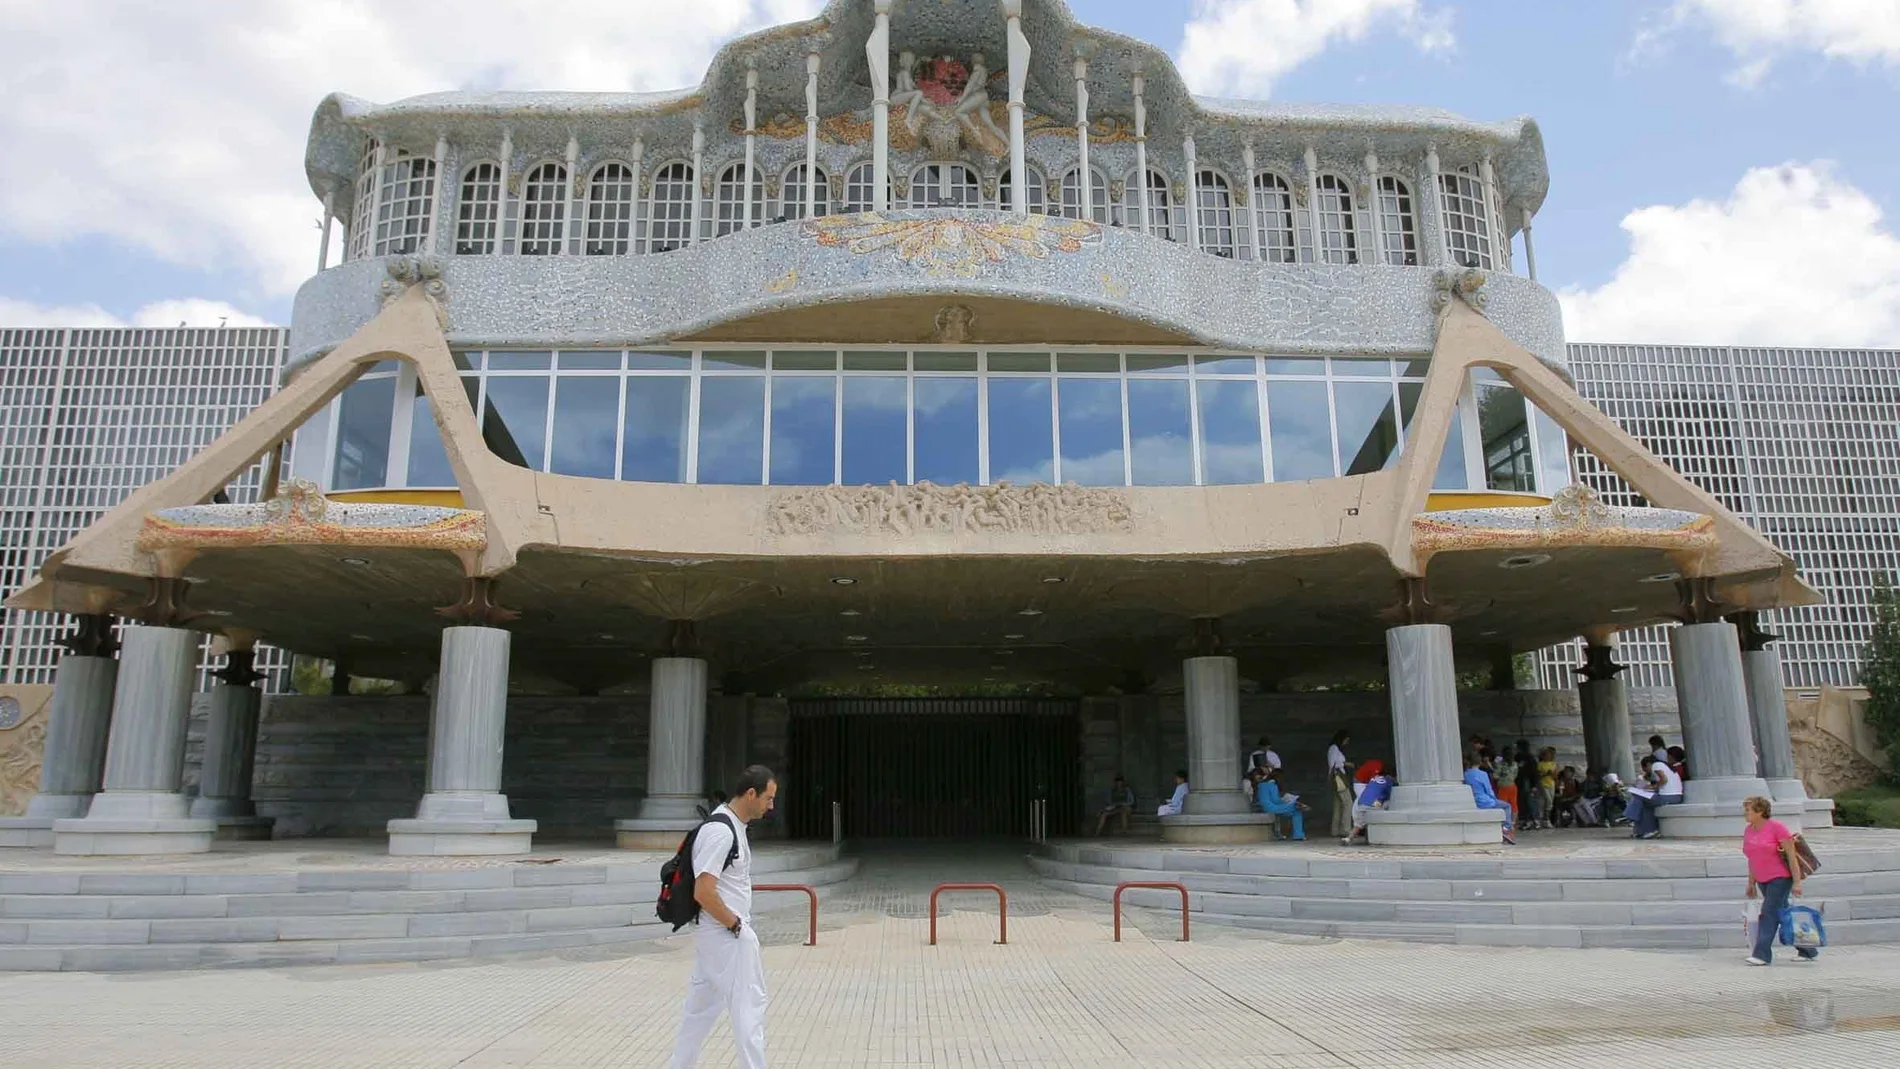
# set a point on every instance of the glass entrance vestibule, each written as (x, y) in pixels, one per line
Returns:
(811, 416)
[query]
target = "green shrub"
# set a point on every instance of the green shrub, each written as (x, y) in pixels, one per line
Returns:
(1880, 673)
(1868, 807)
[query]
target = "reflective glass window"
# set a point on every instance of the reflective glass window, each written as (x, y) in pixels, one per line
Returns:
(1091, 423)
(1302, 431)
(1553, 454)
(520, 361)
(1141, 363)
(660, 361)
(1368, 426)
(1504, 430)
(428, 459)
(1295, 367)
(1159, 432)
(947, 362)
(792, 195)
(362, 433)
(586, 418)
(1022, 441)
(1230, 430)
(1450, 473)
(653, 433)
(1398, 228)
(803, 429)
(515, 419)
(610, 211)
(874, 431)
(732, 429)
(721, 360)
(946, 430)
(1224, 365)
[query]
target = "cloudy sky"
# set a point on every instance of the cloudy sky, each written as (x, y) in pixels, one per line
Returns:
(1721, 170)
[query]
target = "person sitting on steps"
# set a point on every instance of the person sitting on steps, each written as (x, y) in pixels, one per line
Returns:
(1121, 804)
(1178, 801)
(1277, 805)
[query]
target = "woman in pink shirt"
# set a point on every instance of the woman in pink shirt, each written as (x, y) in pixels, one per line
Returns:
(1775, 869)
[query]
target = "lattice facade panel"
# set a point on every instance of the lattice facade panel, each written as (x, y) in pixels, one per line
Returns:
(92, 415)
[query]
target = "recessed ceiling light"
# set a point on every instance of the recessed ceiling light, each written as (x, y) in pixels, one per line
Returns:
(867, 667)
(1005, 653)
(857, 638)
(608, 638)
(843, 580)
(998, 667)
(1029, 612)
(1661, 577)
(1525, 560)
(850, 612)
(1486, 634)
(360, 562)
(1052, 579)
(362, 638)
(1012, 636)
(1624, 610)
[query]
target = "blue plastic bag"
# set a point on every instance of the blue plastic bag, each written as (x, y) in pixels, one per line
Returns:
(1802, 929)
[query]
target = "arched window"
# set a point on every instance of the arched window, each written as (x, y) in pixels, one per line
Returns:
(1337, 242)
(543, 210)
(670, 219)
(1038, 198)
(1398, 226)
(405, 206)
(1160, 205)
(363, 211)
(478, 211)
(945, 185)
(1214, 214)
(792, 194)
(1273, 234)
(610, 211)
(730, 214)
(859, 188)
(1072, 195)
(1467, 224)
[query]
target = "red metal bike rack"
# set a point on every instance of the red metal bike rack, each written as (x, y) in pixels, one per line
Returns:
(1002, 906)
(1120, 887)
(797, 887)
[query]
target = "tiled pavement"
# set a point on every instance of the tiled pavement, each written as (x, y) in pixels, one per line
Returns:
(1060, 994)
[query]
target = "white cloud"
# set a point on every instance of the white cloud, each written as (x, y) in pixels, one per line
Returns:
(1759, 31)
(1241, 46)
(1794, 256)
(179, 128)
(186, 312)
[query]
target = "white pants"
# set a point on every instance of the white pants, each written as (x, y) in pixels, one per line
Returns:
(1167, 810)
(728, 974)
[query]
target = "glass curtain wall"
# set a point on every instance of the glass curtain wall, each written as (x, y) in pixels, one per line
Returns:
(812, 416)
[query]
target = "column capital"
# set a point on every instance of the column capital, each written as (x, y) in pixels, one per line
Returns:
(682, 638)
(165, 604)
(239, 668)
(1415, 604)
(1598, 664)
(1748, 627)
(1207, 641)
(477, 607)
(92, 636)
(1698, 601)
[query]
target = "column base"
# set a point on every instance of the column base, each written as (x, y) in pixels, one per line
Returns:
(653, 833)
(134, 822)
(1712, 808)
(1434, 814)
(1217, 828)
(457, 823)
(1818, 813)
(244, 829)
(26, 831)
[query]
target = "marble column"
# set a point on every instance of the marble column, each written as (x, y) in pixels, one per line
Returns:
(1431, 805)
(74, 756)
(1768, 710)
(1716, 733)
(230, 753)
(1606, 714)
(1217, 810)
(676, 757)
(141, 809)
(464, 811)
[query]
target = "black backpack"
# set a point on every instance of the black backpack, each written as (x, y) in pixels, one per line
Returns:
(676, 905)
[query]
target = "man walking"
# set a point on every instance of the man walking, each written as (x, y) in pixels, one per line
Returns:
(728, 972)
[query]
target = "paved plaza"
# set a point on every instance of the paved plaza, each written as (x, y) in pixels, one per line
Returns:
(1061, 993)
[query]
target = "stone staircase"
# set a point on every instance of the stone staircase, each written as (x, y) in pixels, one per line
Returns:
(125, 917)
(1610, 893)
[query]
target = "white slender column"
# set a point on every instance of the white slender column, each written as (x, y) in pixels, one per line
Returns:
(751, 140)
(501, 205)
(877, 50)
(812, 61)
(1018, 80)
(1085, 198)
(141, 809)
(569, 229)
(635, 242)
(1494, 207)
(74, 755)
(1311, 159)
(323, 243)
(699, 168)
(1716, 733)
(230, 751)
(464, 811)
(1378, 218)
(1141, 151)
(1431, 216)
(435, 197)
(1193, 192)
(1212, 693)
(1768, 712)
(676, 756)
(1431, 805)
(1530, 253)
(1245, 207)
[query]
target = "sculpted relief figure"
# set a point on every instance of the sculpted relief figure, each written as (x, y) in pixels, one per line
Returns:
(973, 109)
(908, 96)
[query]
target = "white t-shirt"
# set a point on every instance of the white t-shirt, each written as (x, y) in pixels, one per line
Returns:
(1266, 758)
(709, 853)
(1671, 783)
(1335, 759)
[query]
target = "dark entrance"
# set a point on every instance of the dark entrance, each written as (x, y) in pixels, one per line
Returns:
(932, 767)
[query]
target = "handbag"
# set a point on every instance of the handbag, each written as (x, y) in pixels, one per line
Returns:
(1809, 863)
(1802, 929)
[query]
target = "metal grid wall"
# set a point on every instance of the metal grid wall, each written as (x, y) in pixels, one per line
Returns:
(88, 416)
(1802, 444)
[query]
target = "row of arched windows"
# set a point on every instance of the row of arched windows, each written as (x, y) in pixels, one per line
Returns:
(394, 207)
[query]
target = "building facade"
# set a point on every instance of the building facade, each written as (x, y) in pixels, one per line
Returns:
(1010, 362)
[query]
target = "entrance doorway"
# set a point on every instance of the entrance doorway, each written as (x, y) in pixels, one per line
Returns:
(943, 768)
